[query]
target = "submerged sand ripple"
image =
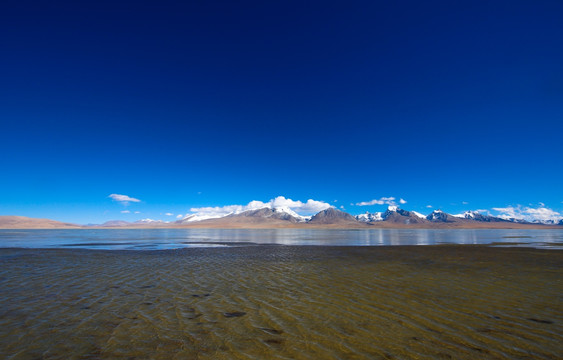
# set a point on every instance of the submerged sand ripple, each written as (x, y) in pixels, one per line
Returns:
(259, 302)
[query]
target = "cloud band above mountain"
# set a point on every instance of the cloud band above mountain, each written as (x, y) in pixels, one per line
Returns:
(302, 208)
(541, 213)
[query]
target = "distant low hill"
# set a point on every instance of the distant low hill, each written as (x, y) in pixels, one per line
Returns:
(22, 222)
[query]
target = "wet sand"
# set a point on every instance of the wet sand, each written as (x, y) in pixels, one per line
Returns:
(282, 302)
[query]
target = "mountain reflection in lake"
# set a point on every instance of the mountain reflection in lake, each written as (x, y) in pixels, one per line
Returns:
(152, 239)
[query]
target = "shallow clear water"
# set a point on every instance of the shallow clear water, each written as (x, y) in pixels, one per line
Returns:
(282, 302)
(153, 239)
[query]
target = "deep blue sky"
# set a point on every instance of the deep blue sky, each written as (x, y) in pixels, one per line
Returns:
(210, 103)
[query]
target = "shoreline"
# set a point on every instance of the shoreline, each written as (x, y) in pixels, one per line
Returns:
(369, 226)
(247, 245)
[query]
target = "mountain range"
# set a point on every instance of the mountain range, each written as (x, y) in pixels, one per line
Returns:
(280, 217)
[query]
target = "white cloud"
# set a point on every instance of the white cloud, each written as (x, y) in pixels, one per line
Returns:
(302, 208)
(215, 211)
(402, 201)
(311, 206)
(125, 211)
(123, 198)
(179, 216)
(169, 214)
(464, 202)
(541, 213)
(508, 212)
(137, 212)
(429, 206)
(381, 201)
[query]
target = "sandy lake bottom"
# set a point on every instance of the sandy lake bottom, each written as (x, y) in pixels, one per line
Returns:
(282, 302)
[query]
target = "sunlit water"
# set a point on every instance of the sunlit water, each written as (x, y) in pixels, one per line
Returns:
(152, 239)
(237, 300)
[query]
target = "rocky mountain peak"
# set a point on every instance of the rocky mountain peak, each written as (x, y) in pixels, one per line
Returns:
(330, 216)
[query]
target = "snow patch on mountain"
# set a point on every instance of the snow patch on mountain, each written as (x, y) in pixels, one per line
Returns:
(198, 217)
(469, 215)
(419, 214)
(287, 210)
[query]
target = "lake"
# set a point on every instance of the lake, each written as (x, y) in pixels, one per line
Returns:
(160, 239)
(225, 294)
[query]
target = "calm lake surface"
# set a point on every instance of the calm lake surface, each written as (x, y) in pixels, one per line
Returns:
(160, 239)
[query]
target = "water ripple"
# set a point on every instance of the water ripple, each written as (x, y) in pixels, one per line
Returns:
(282, 303)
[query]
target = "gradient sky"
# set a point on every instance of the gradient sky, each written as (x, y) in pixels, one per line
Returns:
(456, 105)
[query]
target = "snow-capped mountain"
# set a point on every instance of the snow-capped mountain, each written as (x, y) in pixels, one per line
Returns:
(393, 214)
(277, 216)
(281, 213)
(197, 217)
(538, 221)
(419, 214)
(512, 219)
(467, 215)
(286, 210)
(399, 216)
(477, 216)
(548, 222)
(440, 216)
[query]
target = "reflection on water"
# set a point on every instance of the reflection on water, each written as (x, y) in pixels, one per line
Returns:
(282, 302)
(150, 239)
